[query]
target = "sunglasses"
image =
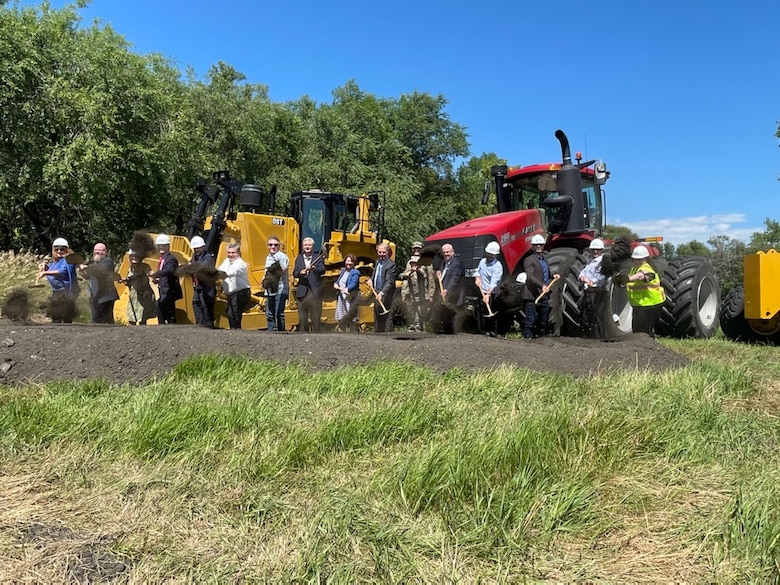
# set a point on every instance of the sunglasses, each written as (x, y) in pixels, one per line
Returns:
(60, 249)
(273, 245)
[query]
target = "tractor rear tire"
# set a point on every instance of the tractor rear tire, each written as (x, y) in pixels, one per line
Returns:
(565, 317)
(735, 326)
(692, 299)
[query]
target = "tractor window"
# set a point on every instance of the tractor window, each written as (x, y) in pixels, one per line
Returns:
(592, 196)
(313, 225)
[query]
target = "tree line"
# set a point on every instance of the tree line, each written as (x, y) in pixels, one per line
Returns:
(97, 141)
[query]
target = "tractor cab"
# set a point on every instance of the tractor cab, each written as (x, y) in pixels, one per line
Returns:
(570, 194)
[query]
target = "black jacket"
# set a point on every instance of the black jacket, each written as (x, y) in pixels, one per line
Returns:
(534, 276)
(309, 284)
(453, 280)
(167, 282)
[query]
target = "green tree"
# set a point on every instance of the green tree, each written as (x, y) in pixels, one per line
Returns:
(614, 231)
(85, 130)
(768, 239)
(726, 257)
(668, 250)
(693, 248)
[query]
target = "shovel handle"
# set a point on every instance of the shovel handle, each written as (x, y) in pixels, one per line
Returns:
(541, 295)
(378, 300)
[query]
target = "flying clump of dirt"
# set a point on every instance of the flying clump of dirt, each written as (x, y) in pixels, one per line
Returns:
(16, 306)
(142, 244)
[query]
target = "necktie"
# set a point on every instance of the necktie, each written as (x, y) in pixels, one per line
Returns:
(378, 278)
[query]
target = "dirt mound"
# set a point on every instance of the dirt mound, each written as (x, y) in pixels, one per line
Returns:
(42, 353)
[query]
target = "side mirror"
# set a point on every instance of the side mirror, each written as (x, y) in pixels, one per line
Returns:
(601, 173)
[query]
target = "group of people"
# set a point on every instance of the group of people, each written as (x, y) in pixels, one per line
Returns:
(422, 284)
(643, 288)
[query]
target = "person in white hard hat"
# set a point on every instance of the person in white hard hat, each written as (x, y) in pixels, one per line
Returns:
(645, 293)
(168, 285)
(63, 282)
(203, 283)
(489, 275)
(594, 282)
(539, 278)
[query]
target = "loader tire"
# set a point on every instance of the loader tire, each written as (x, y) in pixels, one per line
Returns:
(565, 317)
(692, 299)
(736, 327)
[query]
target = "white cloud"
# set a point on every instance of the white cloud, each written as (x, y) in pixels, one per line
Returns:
(681, 230)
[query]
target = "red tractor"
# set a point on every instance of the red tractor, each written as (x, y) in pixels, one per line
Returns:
(564, 202)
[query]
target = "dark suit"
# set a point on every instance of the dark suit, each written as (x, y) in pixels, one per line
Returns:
(168, 287)
(102, 292)
(536, 316)
(453, 280)
(205, 292)
(309, 291)
(384, 282)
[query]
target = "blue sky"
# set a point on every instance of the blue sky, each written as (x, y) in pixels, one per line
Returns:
(679, 98)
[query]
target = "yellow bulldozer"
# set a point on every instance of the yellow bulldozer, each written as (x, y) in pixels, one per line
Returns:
(751, 312)
(340, 224)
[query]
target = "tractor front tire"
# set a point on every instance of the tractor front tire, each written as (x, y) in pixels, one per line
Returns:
(565, 316)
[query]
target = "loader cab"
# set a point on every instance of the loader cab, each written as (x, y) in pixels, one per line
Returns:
(321, 215)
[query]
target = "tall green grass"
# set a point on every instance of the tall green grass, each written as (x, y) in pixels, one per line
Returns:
(229, 469)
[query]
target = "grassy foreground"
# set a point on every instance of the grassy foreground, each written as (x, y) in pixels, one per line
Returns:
(228, 470)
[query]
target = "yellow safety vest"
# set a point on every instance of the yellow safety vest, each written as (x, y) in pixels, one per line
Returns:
(642, 293)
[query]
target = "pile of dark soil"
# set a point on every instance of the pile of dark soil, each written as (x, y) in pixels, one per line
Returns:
(46, 352)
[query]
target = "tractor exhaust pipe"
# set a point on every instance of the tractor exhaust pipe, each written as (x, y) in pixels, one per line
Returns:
(568, 206)
(565, 150)
(503, 195)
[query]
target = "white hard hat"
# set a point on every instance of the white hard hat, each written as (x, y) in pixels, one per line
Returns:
(640, 252)
(197, 242)
(493, 248)
(522, 278)
(597, 244)
(132, 252)
(537, 239)
(162, 240)
(60, 242)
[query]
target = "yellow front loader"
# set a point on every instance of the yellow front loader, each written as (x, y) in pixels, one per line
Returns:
(339, 224)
